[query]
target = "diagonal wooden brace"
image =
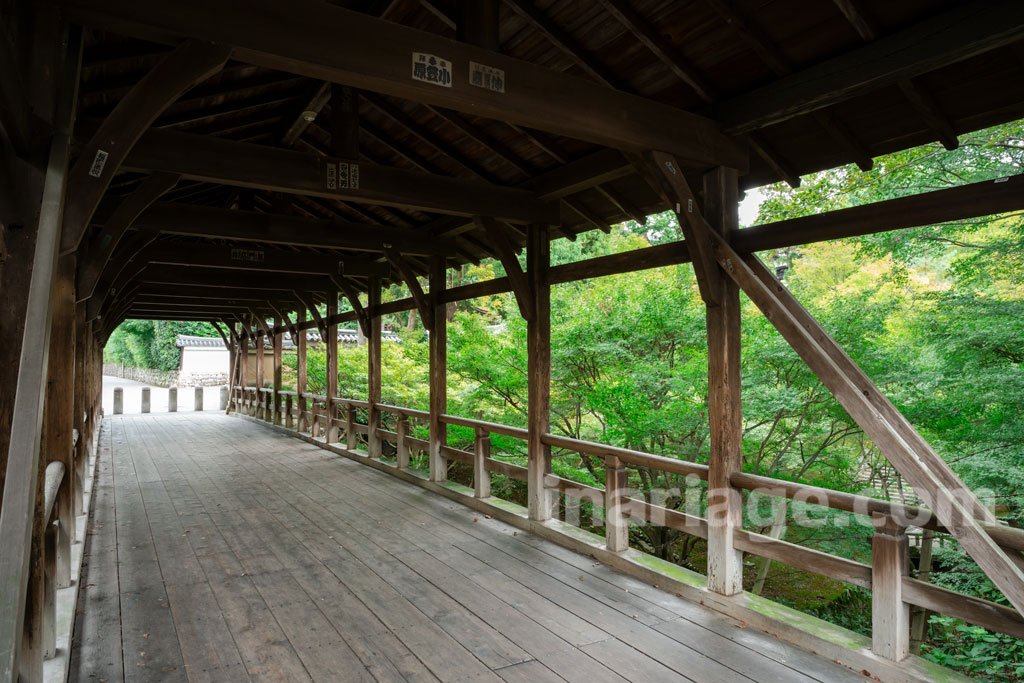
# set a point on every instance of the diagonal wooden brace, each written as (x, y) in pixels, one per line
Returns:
(362, 315)
(957, 507)
(401, 266)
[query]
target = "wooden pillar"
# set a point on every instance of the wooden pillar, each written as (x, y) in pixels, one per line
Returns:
(725, 562)
(277, 370)
(438, 370)
(481, 452)
(616, 525)
(243, 369)
(79, 407)
(58, 420)
(261, 376)
(890, 616)
(332, 366)
(373, 361)
(300, 370)
(538, 375)
(477, 23)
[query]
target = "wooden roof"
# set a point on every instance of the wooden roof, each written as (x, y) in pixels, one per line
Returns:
(804, 85)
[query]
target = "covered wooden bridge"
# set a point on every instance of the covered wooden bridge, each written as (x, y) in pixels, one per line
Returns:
(268, 166)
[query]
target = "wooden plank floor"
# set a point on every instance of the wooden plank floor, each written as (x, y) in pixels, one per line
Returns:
(219, 550)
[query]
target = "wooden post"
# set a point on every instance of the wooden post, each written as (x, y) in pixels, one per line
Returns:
(300, 370)
(332, 367)
(288, 406)
(351, 437)
(277, 371)
(401, 446)
(58, 421)
(260, 370)
(438, 370)
(243, 382)
(481, 452)
(725, 562)
(373, 358)
(616, 525)
(538, 373)
(890, 616)
(79, 409)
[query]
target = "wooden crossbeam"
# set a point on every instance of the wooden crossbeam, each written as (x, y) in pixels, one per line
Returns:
(259, 260)
(102, 246)
(252, 226)
(191, 62)
(185, 275)
(327, 42)
(501, 238)
(247, 165)
(946, 38)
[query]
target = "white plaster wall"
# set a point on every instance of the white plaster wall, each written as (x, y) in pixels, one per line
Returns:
(205, 361)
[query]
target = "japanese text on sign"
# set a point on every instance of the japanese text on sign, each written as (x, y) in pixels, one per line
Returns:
(486, 77)
(431, 69)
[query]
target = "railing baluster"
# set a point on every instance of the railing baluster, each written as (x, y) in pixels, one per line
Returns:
(481, 452)
(401, 445)
(890, 615)
(332, 420)
(616, 524)
(301, 426)
(288, 423)
(351, 439)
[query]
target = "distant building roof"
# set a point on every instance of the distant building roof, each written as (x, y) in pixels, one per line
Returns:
(344, 336)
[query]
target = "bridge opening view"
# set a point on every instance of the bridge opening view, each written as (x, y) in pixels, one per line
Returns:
(511, 340)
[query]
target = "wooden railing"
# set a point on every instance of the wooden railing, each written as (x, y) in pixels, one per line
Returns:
(888, 576)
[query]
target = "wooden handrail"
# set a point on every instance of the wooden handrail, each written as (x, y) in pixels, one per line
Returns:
(492, 427)
(54, 478)
(399, 410)
(658, 462)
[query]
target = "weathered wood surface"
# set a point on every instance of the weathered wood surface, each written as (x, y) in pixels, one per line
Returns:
(207, 563)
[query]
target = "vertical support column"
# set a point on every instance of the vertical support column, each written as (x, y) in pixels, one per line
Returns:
(300, 370)
(616, 525)
(332, 366)
(351, 437)
(725, 562)
(118, 400)
(277, 370)
(481, 452)
(538, 374)
(172, 400)
(890, 616)
(401, 445)
(223, 404)
(373, 361)
(58, 421)
(79, 410)
(146, 401)
(243, 379)
(199, 399)
(260, 369)
(438, 370)
(289, 421)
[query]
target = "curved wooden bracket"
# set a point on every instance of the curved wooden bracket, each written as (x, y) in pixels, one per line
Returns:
(401, 266)
(92, 262)
(501, 239)
(362, 315)
(190, 63)
(306, 301)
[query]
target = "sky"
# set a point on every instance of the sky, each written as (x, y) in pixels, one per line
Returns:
(749, 206)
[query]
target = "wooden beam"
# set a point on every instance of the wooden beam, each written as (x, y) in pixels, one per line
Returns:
(345, 122)
(313, 105)
(91, 264)
(247, 165)
(261, 260)
(330, 43)
(373, 372)
(321, 326)
(218, 277)
(438, 352)
(252, 226)
(946, 38)
(191, 62)
(477, 23)
(500, 236)
(985, 198)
